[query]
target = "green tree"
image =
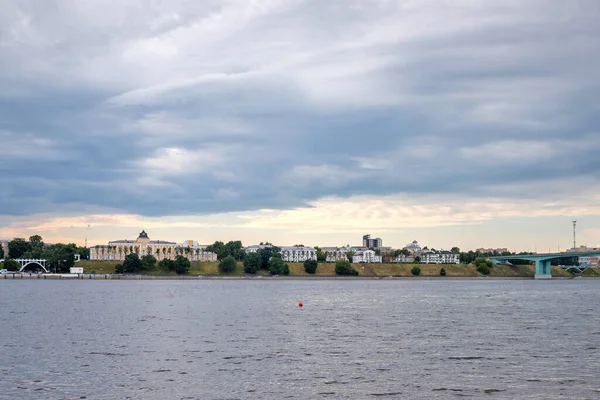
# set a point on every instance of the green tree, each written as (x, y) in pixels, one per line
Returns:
(11, 265)
(416, 271)
(455, 250)
(321, 255)
(148, 262)
(417, 259)
(442, 272)
(267, 253)
(349, 255)
(483, 265)
(227, 265)
(36, 240)
(119, 269)
(1, 252)
(167, 264)
(60, 257)
(310, 266)
(235, 249)
(343, 267)
(84, 252)
(17, 247)
(219, 248)
(252, 263)
(182, 265)
(278, 267)
(132, 263)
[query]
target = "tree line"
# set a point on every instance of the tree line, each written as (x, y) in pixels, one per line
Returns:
(59, 257)
(134, 264)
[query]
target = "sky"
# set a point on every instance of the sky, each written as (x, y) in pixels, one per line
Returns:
(451, 122)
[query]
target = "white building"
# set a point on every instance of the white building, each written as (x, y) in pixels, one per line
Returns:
(413, 247)
(404, 259)
(298, 253)
(366, 256)
(335, 255)
(439, 257)
(592, 261)
(117, 250)
(256, 247)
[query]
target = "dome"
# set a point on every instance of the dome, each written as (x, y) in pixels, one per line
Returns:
(143, 235)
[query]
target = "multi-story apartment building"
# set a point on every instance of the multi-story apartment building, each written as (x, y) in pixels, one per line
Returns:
(335, 255)
(372, 243)
(592, 261)
(439, 257)
(117, 250)
(366, 256)
(298, 253)
(404, 259)
(288, 253)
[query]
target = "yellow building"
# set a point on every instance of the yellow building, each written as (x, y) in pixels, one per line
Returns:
(117, 250)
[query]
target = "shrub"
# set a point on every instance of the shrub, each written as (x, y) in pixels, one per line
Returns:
(416, 271)
(227, 265)
(132, 263)
(11, 265)
(119, 269)
(310, 266)
(252, 263)
(278, 267)
(483, 269)
(182, 265)
(442, 272)
(166, 264)
(148, 262)
(343, 267)
(483, 265)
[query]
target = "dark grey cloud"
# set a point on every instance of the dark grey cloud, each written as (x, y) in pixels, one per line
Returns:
(176, 108)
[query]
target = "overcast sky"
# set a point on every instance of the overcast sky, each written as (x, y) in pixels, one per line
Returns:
(468, 123)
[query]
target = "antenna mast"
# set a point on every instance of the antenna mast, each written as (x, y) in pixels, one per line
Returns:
(574, 225)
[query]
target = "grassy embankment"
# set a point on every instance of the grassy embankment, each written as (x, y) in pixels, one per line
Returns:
(328, 269)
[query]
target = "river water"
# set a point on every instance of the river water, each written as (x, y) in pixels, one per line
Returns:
(248, 339)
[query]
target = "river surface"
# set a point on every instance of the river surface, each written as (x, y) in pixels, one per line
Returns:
(248, 339)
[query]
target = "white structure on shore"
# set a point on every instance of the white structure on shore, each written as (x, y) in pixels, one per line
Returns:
(288, 253)
(366, 256)
(439, 257)
(402, 258)
(117, 250)
(298, 253)
(414, 247)
(335, 255)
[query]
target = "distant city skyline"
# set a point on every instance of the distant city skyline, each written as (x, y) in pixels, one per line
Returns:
(469, 124)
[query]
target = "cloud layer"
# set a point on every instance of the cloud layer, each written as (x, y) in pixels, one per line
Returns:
(173, 108)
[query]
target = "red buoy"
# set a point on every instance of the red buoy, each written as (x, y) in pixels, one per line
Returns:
(300, 304)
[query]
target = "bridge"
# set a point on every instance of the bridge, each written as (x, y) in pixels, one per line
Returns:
(34, 264)
(543, 260)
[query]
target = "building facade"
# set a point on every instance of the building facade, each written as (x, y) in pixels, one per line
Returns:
(404, 259)
(366, 256)
(414, 247)
(288, 253)
(591, 261)
(498, 250)
(439, 257)
(117, 250)
(372, 243)
(335, 255)
(298, 253)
